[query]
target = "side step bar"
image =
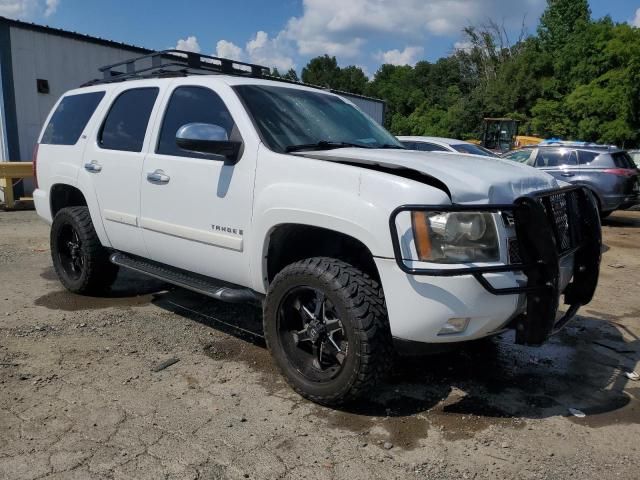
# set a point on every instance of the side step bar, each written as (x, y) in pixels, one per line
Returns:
(218, 289)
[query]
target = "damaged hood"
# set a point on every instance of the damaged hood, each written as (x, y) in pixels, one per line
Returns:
(469, 178)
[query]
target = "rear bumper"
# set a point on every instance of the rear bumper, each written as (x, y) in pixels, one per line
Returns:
(619, 202)
(43, 207)
(550, 226)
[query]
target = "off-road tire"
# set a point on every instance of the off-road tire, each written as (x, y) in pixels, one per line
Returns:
(360, 301)
(97, 273)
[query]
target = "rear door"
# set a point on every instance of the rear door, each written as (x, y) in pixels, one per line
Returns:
(562, 163)
(114, 157)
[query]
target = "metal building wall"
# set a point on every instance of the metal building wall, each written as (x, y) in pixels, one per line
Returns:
(65, 62)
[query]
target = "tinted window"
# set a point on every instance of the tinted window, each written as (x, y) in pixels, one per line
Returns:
(586, 158)
(623, 160)
(429, 147)
(192, 105)
(70, 118)
(556, 158)
(127, 120)
(409, 145)
(473, 149)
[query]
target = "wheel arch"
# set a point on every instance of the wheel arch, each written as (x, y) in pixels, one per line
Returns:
(290, 242)
(63, 195)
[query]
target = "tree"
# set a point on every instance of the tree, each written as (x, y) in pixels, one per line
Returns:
(352, 79)
(291, 75)
(560, 20)
(322, 71)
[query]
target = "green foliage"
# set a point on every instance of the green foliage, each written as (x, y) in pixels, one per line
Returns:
(576, 79)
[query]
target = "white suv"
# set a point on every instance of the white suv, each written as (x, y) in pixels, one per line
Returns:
(254, 190)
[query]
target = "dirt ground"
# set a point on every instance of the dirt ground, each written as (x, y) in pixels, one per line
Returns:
(80, 396)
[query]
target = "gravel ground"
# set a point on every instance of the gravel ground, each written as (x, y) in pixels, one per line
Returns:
(85, 390)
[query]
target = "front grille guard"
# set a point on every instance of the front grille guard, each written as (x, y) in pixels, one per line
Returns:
(549, 225)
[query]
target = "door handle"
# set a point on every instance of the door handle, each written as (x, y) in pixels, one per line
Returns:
(158, 177)
(567, 174)
(93, 167)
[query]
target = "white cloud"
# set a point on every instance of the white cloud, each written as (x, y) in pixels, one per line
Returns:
(230, 50)
(636, 20)
(52, 6)
(270, 52)
(464, 46)
(409, 56)
(27, 9)
(342, 28)
(190, 44)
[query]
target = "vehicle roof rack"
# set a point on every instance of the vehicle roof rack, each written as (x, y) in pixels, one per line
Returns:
(176, 63)
(182, 63)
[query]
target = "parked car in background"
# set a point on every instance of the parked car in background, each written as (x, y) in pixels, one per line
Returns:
(608, 171)
(438, 144)
(635, 156)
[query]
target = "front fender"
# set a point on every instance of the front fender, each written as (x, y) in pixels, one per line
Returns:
(345, 199)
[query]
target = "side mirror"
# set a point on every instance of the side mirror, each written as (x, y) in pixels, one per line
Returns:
(207, 138)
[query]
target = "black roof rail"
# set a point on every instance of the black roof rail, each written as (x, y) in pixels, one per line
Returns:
(167, 63)
(181, 63)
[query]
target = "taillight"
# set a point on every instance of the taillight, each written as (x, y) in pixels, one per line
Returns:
(621, 172)
(35, 165)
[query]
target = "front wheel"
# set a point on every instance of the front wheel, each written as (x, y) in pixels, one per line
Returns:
(79, 259)
(326, 325)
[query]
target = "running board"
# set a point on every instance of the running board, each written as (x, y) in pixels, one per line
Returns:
(218, 289)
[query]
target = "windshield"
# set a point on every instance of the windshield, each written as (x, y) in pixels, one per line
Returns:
(473, 149)
(290, 117)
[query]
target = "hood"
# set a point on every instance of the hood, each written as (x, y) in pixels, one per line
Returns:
(468, 178)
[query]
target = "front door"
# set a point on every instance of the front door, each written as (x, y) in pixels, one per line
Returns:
(114, 161)
(196, 208)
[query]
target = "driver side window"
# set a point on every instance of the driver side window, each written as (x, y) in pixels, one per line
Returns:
(192, 104)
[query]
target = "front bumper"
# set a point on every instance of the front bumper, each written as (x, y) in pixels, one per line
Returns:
(550, 226)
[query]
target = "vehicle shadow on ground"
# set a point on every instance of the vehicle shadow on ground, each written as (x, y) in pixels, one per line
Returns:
(626, 220)
(583, 367)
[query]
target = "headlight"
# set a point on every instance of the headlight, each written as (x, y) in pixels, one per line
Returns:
(455, 237)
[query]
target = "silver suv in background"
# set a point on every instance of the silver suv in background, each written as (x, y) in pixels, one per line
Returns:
(608, 171)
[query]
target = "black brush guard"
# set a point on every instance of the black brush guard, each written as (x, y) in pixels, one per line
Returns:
(549, 225)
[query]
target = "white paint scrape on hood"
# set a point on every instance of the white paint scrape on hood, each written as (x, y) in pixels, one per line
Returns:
(469, 178)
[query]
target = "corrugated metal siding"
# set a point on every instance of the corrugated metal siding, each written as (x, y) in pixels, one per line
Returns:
(373, 108)
(65, 62)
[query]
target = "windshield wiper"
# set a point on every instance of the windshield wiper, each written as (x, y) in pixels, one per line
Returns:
(324, 145)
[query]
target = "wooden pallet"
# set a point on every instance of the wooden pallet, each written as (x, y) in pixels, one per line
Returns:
(10, 171)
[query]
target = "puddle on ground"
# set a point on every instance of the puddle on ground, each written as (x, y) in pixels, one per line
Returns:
(70, 302)
(129, 290)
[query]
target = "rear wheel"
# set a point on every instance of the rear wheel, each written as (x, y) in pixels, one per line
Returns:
(79, 259)
(326, 326)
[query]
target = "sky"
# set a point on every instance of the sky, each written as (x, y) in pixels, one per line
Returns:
(287, 33)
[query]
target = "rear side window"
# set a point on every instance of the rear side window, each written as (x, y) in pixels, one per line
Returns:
(127, 120)
(429, 147)
(70, 118)
(556, 158)
(623, 160)
(586, 158)
(192, 105)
